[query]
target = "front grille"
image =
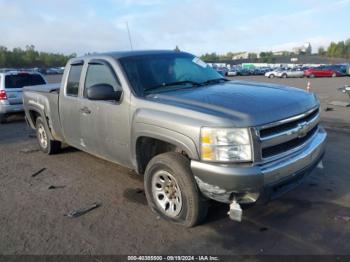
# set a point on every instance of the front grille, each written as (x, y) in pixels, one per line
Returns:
(286, 135)
(286, 126)
(294, 143)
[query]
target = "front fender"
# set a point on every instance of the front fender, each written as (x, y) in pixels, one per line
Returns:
(147, 130)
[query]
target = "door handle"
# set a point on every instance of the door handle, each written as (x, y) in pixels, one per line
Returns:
(85, 110)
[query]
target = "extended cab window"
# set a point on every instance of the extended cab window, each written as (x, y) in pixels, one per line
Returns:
(74, 80)
(101, 74)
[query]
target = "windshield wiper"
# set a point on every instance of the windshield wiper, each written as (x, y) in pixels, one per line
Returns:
(214, 81)
(193, 83)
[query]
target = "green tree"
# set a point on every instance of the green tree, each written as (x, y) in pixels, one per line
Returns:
(321, 51)
(267, 57)
(212, 57)
(29, 57)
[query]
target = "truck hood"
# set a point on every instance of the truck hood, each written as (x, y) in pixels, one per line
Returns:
(245, 103)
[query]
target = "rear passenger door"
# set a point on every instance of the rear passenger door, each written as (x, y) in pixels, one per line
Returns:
(70, 104)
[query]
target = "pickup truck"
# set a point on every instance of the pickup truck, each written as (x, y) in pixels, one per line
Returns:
(194, 135)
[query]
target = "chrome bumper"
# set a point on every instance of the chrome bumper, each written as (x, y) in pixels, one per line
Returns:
(222, 182)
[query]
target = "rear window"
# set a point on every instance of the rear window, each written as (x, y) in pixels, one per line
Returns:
(21, 80)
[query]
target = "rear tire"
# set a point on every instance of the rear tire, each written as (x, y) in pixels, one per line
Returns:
(169, 183)
(46, 145)
(271, 76)
(2, 118)
(311, 76)
(334, 75)
(284, 76)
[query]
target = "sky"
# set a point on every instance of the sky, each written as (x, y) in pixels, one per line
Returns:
(196, 26)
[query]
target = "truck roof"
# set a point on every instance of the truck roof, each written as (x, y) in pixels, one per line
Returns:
(121, 54)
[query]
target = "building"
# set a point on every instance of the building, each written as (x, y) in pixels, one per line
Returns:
(245, 55)
(305, 49)
(281, 53)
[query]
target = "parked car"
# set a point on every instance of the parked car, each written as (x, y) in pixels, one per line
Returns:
(322, 71)
(222, 70)
(273, 73)
(55, 71)
(39, 70)
(265, 69)
(342, 68)
(193, 134)
(257, 72)
(290, 73)
(51, 71)
(60, 70)
(11, 84)
(231, 72)
(243, 72)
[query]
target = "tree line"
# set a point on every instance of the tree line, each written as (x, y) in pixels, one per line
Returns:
(336, 49)
(30, 58)
(265, 57)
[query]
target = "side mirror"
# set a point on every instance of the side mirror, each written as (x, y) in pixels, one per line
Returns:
(103, 92)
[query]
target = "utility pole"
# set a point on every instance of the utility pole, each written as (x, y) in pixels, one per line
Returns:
(127, 27)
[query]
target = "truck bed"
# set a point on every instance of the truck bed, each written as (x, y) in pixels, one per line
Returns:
(48, 88)
(44, 100)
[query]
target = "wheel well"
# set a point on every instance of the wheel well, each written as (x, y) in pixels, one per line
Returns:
(33, 116)
(148, 147)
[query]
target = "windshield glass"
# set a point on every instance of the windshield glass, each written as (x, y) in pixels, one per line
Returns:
(157, 72)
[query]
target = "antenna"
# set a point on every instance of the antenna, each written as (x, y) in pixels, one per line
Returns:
(127, 27)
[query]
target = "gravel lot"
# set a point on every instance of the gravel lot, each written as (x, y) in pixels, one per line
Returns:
(312, 219)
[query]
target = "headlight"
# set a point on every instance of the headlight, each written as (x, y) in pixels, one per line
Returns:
(225, 144)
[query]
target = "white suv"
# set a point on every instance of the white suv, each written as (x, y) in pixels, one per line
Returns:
(11, 85)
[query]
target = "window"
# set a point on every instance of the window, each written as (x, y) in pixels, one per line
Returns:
(146, 72)
(74, 80)
(101, 74)
(23, 79)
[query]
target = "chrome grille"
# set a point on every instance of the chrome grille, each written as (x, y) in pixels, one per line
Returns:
(289, 134)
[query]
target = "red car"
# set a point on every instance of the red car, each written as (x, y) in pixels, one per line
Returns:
(322, 71)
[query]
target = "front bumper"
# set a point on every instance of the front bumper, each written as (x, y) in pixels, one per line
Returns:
(248, 183)
(10, 109)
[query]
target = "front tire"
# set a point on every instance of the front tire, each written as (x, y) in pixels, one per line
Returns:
(172, 192)
(334, 75)
(271, 76)
(284, 76)
(46, 145)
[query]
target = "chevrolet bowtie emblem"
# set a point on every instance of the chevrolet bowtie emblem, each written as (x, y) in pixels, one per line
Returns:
(303, 129)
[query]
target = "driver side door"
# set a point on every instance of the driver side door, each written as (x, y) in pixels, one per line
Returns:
(104, 122)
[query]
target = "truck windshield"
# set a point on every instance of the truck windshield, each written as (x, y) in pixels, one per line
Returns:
(162, 72)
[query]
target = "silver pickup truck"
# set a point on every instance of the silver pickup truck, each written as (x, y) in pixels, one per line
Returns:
(193, 134)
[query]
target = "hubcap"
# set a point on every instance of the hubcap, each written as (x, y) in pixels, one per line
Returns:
(42, 136)
(166, 193)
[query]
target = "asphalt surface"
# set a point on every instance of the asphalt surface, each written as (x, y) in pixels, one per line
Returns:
(312, 219)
